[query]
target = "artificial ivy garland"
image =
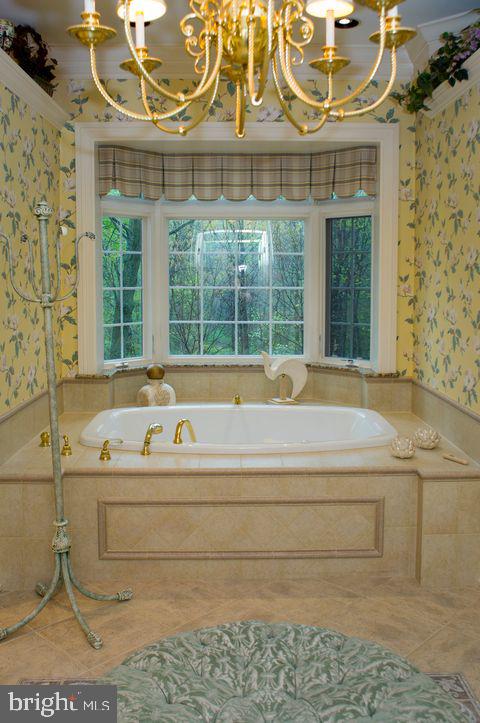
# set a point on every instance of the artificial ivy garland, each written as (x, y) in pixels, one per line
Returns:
(445, 65)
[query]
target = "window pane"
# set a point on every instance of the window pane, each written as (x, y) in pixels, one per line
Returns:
(132, 340)
(361, 342)
(219, 305)
(253, 270)
(287, 305)
(183, 270)
(132, 306)
(288, 235)
(349, 270)
(253, 338)
(362, 307)
(184, 339)
(341, 341)
(132, 270)
(181, 235)
(219, 339)
(253, 305)
(184, 304)
(219, 269)
(341, 305)
(112, 271)
(112, 342)
(287, 270)
(112, 307)
(361, 270)
(287, 339)
(123, 287)
(132, 234)
(111, 232)
(242, 285)
(341, 270)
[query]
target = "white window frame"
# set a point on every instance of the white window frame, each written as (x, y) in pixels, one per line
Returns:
(345, 209)
(385, 136)
(132, 208)
(224, 210)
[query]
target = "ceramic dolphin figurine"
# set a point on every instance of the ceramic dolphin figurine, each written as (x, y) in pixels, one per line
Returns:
(295, 369)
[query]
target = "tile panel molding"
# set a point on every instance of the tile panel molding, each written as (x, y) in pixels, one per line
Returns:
(202, 523)
(18, 82)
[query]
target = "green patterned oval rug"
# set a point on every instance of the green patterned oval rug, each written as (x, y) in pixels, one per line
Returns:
(251, 672)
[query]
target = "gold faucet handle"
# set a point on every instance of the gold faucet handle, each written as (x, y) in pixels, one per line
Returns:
(237, 400)
(66, 449)
(105, 455)
(45, 439)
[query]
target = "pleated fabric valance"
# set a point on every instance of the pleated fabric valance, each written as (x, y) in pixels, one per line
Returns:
(236, 177)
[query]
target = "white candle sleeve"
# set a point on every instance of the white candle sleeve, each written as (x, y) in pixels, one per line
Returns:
(89, 6)
(330, 29)
(140, 30)
(393, 12)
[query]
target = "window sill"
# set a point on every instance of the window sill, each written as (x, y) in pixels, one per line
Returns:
(208, 365)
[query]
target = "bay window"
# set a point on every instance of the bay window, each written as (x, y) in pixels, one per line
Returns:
(192, 282)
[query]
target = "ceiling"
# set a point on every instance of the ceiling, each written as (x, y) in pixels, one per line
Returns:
(51, 17)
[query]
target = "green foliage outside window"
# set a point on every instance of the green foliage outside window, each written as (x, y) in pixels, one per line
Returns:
(349, 270)
(236, 286)
(122, 287)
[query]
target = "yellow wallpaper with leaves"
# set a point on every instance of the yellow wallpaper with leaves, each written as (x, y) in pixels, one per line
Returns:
(447, 277)
(29, 169)
(81, 100)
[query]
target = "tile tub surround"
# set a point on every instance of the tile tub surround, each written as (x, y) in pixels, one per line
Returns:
(28, 419)
(220, 384)
(213, 384)
(154, 502)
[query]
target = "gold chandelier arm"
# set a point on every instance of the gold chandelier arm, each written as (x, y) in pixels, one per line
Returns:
(302, 128)
(296, 88)
(256, 96)
(180, 130)
(176, 97)
(153, 115)
(290, 80)
(101, 89)
(383, 97)
(240, 110)
(374, 69)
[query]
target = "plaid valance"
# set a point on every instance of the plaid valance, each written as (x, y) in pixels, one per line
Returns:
(236, 177)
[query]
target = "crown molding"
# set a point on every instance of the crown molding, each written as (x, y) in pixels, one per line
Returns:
(18, 82)
(74, 64)
(427, 41)
(444, 95)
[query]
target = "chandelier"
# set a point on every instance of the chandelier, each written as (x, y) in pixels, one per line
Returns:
(247, 42)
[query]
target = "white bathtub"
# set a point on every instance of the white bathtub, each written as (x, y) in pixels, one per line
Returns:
(244, 429)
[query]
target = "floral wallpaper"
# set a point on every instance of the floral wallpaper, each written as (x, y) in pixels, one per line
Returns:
(29, 169)
(447, 256)
(84, 103)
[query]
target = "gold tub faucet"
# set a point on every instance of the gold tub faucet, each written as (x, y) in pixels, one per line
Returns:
(179, 429)
(151, 430)
(237, 400)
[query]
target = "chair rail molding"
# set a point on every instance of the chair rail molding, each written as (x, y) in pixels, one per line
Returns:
(90, 134)
(17, 81)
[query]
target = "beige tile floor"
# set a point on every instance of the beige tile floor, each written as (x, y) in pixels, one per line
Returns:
(438, 631)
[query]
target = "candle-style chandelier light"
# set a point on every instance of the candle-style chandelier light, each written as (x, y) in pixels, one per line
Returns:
(244, 41)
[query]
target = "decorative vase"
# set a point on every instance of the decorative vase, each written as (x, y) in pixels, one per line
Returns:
(7, 34)
(426, 438)
(156, 393)
(402, 447)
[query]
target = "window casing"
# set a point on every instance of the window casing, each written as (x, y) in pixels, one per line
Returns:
(156, 218)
